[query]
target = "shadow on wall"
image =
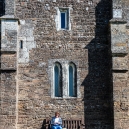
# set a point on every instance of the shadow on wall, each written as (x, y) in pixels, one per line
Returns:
(2, 7)
(98, 85)
(43, 124)
(2, 12)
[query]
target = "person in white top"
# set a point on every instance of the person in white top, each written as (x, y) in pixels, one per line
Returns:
(56, 121)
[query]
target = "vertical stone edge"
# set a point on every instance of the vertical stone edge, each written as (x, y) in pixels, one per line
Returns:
(7, 52)
(119, 49)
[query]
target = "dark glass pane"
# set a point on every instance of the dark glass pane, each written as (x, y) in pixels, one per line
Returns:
(75, 82)
(71, 81)
(2, 7)
(63, 16)
(21, 44)
(56, 70)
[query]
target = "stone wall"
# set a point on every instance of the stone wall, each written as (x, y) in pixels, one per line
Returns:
(119, 43)
(8, 100)
(9, 7)
(87, 43)
(8, 59)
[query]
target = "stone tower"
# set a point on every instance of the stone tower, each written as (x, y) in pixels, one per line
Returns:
(8, 85)
(119, 47)
(69, 56)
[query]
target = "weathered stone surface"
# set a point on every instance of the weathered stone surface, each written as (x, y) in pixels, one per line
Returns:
(8, 100)
(86, 43)
(9, 30)
(8, 61)
(9, 7)
(120, 63)
(34, 79)
(119, 28)
(26, 36)
(119, 38)
(8, 46)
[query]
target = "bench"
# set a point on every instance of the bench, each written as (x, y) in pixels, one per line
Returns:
(67, 123)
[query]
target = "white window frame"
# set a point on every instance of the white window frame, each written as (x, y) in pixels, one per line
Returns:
(58, 18)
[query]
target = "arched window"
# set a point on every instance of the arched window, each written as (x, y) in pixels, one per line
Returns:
(72, 80)
(57, 80)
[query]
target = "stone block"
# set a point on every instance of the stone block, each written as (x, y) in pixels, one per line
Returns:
(9, 8)
(117, 76)
(120, 63)
(119, 39)
(125, 123)
(116, 95)
(117, 13)
(8, 61)
(42, 43)
(9, 34)
(119, 114)
(125, 94)
(117, 124)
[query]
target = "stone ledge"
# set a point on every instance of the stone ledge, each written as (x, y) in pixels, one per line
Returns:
(120, 63)
(7, 52)
(119, 71)
(8, 69)
(8, 17)
(119, 54)
(118, 21)
(115, 54)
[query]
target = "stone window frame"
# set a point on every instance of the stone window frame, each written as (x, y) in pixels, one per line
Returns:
(58, 18)
(65, 69)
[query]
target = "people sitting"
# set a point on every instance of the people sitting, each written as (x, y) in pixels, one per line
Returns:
(56, 121)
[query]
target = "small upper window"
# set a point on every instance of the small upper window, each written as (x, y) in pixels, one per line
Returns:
(64, 18)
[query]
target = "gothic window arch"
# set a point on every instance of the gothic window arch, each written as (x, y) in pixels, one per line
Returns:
(64, 79)
(57, 80)
(72, 80)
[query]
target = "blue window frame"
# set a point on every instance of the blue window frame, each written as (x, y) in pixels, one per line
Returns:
(72, 80)
(58, 80)
(64, 18)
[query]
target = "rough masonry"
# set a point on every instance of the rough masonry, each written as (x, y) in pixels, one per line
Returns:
(97, 42)
(119, 48)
